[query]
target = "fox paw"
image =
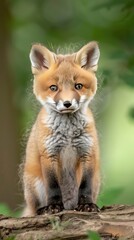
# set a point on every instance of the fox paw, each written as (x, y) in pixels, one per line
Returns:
(87, 207)
(51, 209)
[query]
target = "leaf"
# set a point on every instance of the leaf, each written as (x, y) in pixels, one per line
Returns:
(4, 209)
(93, 235)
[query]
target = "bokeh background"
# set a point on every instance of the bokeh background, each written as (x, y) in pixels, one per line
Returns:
(58, 23)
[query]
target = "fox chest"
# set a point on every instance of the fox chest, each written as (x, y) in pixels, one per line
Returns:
(69, 139)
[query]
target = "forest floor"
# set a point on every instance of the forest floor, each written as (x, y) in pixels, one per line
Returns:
(112, 222)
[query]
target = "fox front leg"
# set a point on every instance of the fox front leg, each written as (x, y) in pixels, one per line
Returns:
(88, 191)
(54, 199)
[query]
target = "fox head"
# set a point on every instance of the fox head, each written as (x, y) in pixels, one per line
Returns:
(65, 83)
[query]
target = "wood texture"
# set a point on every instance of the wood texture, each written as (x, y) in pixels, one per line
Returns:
(113, 222)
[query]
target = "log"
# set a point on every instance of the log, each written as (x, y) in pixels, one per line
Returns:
(112, 222)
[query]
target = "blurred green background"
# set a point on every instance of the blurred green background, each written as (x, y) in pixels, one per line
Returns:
(58, 23)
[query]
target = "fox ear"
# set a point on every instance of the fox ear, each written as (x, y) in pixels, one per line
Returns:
(41, 58)
(88, 56)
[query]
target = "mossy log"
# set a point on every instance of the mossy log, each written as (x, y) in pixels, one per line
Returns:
(112, 222)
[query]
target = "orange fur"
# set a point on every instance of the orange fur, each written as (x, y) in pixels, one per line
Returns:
(62, 71)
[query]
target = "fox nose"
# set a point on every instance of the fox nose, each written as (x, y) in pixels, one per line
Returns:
(67, 104)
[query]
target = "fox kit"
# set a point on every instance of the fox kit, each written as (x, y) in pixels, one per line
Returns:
(61, 169)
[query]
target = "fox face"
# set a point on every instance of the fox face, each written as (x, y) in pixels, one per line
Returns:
(65, 83)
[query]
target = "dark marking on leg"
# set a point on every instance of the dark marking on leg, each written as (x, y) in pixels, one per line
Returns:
(85, 203)
(54, 198)
(54, 192)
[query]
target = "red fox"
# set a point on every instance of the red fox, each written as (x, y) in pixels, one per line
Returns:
(61, 168)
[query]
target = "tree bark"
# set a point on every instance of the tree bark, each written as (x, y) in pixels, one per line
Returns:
(9, 152)
(111, 222)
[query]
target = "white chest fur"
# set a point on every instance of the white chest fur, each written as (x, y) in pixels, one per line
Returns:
(69, 138)
(68, 143)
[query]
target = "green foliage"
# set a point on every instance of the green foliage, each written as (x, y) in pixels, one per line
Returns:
(5, 210)
(93, 235)
(109, 196)
(57, 224)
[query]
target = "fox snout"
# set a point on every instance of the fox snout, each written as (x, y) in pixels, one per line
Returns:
(67, 106)
(66, 99)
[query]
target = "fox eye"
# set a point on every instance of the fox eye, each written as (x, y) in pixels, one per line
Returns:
(78, 86)
(53, 88)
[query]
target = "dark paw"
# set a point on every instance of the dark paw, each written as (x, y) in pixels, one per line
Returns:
(87, 207)
(51, 209)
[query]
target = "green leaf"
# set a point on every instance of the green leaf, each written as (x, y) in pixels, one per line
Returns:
(93, 235)
(4, 209)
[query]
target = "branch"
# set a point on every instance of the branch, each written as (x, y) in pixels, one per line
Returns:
(111, 223)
